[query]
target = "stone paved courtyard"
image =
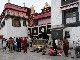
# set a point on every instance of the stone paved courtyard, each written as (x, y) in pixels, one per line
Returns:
(29, 56)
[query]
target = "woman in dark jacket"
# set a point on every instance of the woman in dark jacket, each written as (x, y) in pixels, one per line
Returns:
(18, 44)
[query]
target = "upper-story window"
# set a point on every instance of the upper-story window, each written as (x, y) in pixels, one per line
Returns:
(3, 23)
(18, 13)
(70, 16)
(24, 23)
(16, 23)
(8, 12)
(13, 12)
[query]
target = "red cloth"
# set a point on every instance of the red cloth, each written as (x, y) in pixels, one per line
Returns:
(25, 45)
(51, 51)
(60, 52)
(21, 39)
(10, 41)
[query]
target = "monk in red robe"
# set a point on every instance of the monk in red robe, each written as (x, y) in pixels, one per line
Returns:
(25, 45)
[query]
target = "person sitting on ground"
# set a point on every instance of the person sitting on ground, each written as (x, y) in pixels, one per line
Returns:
(38, 49)
(44, 50)
(52, 52)
(35, 49)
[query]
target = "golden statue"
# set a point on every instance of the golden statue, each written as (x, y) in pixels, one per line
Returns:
(31, 21)
(46, 5)
(32, 9)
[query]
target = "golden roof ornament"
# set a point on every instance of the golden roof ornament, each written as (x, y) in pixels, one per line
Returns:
(46, 5)
(32, 9)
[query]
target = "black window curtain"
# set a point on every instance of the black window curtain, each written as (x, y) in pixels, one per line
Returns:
(24, 23)
(67, 35)
(3, 23)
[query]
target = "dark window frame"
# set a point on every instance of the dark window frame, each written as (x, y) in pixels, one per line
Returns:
(67, 34)
(8, 12)
(14, 23)
(24, 23)
(72, 12)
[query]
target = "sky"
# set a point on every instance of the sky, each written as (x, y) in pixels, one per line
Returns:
(38, 4)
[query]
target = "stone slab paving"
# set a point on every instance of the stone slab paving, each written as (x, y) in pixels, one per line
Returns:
(6, 55)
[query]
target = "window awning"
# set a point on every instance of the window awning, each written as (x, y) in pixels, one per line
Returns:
(71, 5)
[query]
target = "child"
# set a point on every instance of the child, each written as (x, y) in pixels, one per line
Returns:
(4, 45)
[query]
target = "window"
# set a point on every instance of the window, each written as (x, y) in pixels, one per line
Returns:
(24, 23)
(67, 35)
(8, 12)
(3, 23)
(70, 13)
(18, 13)
(74, 14)
(16, 23)
(70, 16)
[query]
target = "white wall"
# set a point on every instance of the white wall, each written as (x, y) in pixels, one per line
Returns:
(16, 31)
(4, 29)
(56, 13)
(74, 33)
(44, 21)
(9, 31)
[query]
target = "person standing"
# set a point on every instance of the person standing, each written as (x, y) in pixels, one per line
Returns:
(18, 44)
(25, 45)
(10, 42)
(15, 46)
(65, 46)
(4, 44)
(30, 42)
(21, 39)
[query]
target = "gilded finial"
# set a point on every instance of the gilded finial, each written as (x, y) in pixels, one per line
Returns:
(32, 10)
(46, 5)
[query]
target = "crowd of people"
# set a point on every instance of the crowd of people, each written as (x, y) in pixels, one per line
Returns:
(16, 44)
(19, 44)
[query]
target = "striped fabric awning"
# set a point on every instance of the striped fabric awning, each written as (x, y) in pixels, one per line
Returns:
(71, 5)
